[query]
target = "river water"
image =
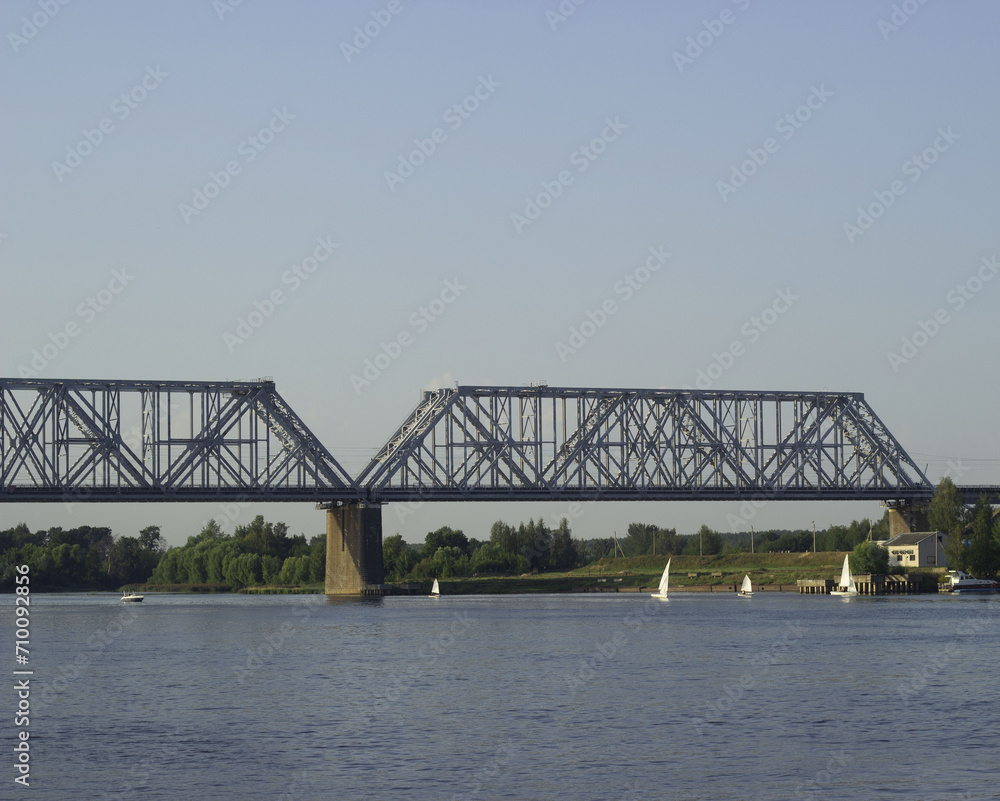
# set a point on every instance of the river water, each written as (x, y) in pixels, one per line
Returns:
(778, 696)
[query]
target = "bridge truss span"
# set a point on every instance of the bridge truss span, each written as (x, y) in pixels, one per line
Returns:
(544, 443)
(64, 440)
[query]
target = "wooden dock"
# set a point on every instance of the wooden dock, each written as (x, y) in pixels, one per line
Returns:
(866, 585)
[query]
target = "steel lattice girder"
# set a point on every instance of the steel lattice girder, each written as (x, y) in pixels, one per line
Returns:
(160, 441)
(543, 443)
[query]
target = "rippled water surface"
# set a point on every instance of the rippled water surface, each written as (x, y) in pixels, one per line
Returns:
(522, 697)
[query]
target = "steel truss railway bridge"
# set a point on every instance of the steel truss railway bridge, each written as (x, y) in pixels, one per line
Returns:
(73, 441)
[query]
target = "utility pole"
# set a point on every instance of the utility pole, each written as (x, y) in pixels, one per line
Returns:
(751, 539)
(814, 536)
(701, 537)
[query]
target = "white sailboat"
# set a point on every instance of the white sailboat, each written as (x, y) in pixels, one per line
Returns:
(435, 590)
(746, 588)
(664, 583)
(846, 584)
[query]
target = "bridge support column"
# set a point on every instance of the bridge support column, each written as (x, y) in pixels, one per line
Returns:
(906, 517)
(353, 549)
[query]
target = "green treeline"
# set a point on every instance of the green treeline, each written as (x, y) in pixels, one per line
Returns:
(535, 547)
(509, 551)
(973, 543)
(263, 553)
(92, 558)
(258, 553)
(80, 558)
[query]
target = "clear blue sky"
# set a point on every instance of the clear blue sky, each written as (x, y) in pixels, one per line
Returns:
(740, 137)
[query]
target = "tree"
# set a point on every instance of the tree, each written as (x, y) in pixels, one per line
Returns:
(869, 558)
(534, 542)
(444, 537)
(504, 537)
(317, 559)
(982, 554)
(397, 557)
(947, 513)
(562, 555)
(490, 559)
(150, 539)
(705, 542)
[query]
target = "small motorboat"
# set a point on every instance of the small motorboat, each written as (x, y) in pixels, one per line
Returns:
(958, 581)
(129, 595)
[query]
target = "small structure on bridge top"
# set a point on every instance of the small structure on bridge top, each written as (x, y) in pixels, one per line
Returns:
(917, 549)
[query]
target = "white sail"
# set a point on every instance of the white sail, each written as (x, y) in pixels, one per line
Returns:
(747, 587)
(846, 584)
(846, 579)
(661, 591)
(435, 589)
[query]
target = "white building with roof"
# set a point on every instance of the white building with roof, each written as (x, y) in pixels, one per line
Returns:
(917, 549)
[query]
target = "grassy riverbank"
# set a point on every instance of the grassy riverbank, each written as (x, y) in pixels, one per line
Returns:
(608, 575)
(629, 574)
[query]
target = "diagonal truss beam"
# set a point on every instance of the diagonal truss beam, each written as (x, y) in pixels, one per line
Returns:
(200, 441)
(159, 441)
(538, 443)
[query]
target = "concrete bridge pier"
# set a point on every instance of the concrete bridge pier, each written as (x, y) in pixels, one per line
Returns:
(353, 548)
(907, 516)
